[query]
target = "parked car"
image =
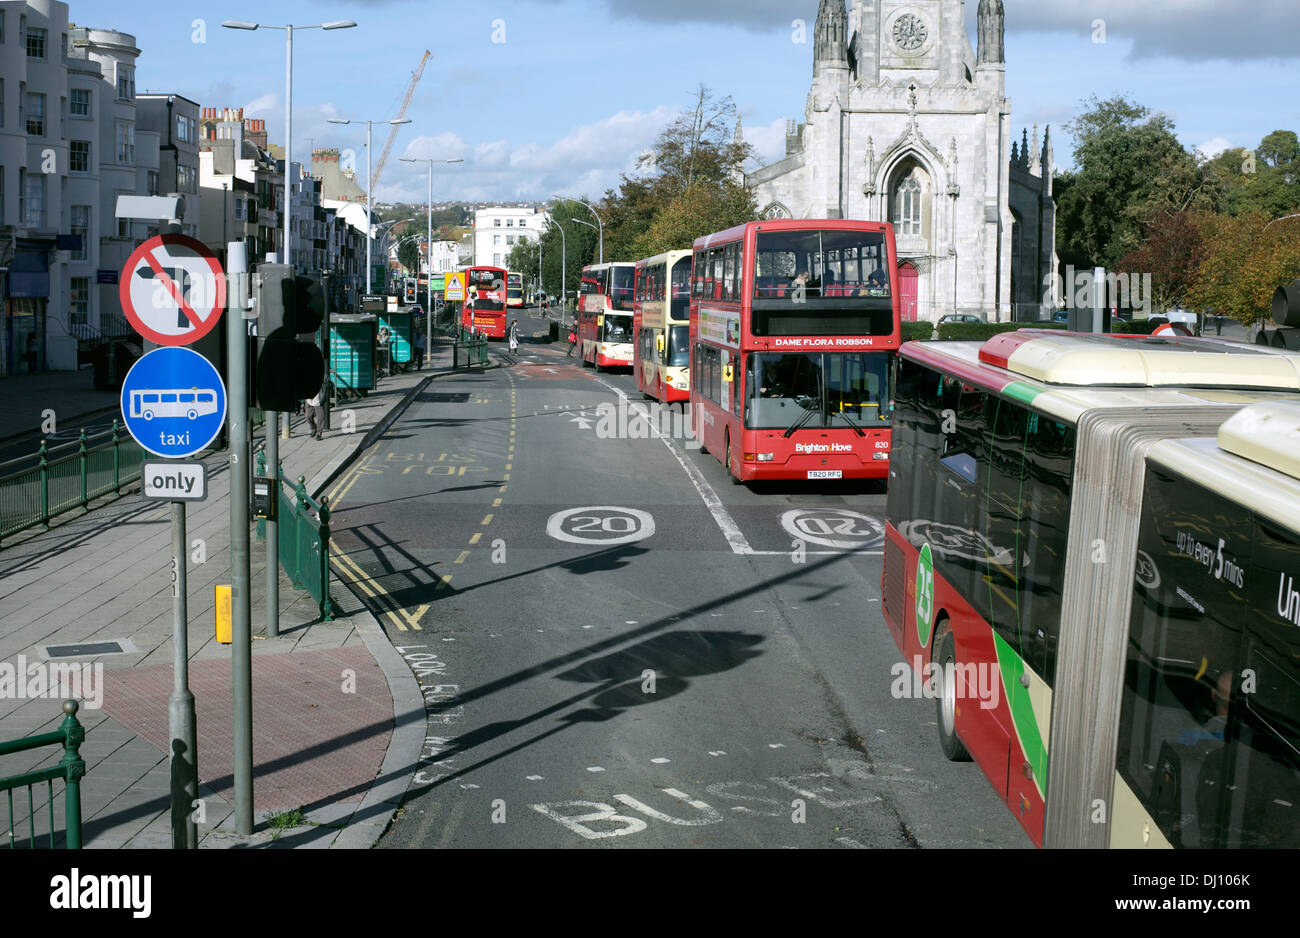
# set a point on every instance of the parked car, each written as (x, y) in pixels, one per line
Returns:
(960, 317)
(1061, 315)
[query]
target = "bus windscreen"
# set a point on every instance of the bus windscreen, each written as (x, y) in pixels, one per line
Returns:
(620, 287)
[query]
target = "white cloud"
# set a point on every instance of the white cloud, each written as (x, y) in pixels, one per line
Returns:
(586, 161)
(1212, 148)
(768, 142)
(266, 103)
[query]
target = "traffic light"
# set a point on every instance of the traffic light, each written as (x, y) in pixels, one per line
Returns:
(287, 370)
(410, 291)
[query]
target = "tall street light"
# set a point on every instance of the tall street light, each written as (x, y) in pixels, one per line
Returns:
(241, 661)
(369, 181)
(598, 218)
(428, 284)
(288, 111)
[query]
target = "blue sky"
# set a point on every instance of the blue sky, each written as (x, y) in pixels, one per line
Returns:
(578, 88)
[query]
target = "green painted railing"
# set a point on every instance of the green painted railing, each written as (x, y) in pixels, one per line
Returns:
(469, 349)
(304, 538)
(71, 768)
(44, 485)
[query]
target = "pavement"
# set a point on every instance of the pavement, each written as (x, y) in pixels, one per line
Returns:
(338, 716)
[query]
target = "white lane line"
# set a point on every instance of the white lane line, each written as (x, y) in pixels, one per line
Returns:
(730, 530)
(595, 768)
(660, 760)
(533, 778)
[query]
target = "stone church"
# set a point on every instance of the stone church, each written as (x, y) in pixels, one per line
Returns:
(906, 123)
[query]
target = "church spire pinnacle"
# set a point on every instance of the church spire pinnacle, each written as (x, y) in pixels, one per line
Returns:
(990, 19)
(832, 35)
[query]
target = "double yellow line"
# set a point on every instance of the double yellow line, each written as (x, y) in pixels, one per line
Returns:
(399, 616)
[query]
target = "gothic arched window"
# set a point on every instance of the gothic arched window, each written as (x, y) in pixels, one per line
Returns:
(907, 204)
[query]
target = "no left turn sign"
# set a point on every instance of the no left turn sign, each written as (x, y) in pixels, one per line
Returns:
(173, 290)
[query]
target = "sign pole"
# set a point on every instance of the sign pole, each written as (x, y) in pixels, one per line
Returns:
(272, 430)
(240, 600)
(180, 706)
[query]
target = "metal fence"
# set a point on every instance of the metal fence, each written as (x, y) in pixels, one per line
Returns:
(56, 479)
(469, 349)
(71, 768)
(304, 538)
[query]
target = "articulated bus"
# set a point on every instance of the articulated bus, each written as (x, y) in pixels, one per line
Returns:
(661, 324)
(794, 327)
(1092, 564)
(514, 289)
(605, 315)
(484, 308)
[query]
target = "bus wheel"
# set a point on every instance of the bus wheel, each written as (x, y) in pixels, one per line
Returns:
(735, 479)
(945, 657)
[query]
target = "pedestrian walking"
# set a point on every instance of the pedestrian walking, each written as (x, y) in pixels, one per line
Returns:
(419, 350)
(514, 336)
(316, 411)
(573, 339)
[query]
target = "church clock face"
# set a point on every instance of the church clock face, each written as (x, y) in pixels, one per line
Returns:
(910, 32)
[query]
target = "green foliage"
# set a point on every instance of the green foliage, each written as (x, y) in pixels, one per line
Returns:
(408, 255)
(1131, 169)
(1136, 326)
(1265, 181)
(917, 331)
(701, 209)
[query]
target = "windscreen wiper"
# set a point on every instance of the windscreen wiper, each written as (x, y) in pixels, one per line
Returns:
(804, 418)
(849, 420)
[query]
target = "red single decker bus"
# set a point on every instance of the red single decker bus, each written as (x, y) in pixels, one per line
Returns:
(661, 315)
(794, 327)
(484, 308)
(605, 315)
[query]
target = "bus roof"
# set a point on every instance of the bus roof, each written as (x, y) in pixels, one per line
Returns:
(1255, 461)
(667, 257)
(1067, 374)
(1085, 359)
(788, 224)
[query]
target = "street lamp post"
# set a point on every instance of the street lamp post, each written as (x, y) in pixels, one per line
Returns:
(242, 666)
(428, 292)
(369, 181)
(598, 218)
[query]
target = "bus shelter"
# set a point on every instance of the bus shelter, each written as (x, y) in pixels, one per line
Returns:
(352, 344)
(400, 337)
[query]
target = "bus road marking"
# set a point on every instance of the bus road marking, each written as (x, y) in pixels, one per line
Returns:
(605, 525)
(833, 527)
(476, 537)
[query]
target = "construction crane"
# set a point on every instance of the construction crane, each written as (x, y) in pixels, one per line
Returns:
(392, 133)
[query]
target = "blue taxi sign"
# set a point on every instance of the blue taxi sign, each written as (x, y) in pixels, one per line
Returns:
(173, 402)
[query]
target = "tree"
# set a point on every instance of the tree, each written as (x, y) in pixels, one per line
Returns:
(698, 154)
(408, 255)
(1265, 180)
(1172, 252)
(1131, 170)
(699, 210)
(1246, 259)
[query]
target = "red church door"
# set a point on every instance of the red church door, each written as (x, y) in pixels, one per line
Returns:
(907, 291)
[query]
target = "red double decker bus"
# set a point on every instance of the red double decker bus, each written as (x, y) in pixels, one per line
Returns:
(794, 325)
(661, 313)
(605, 315)
(484, 308)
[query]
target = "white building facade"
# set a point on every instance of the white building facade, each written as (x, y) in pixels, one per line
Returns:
(906, 123)
(497, 230)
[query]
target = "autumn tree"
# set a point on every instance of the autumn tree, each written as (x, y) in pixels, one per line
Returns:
(1246, 259)
(1172, 252)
